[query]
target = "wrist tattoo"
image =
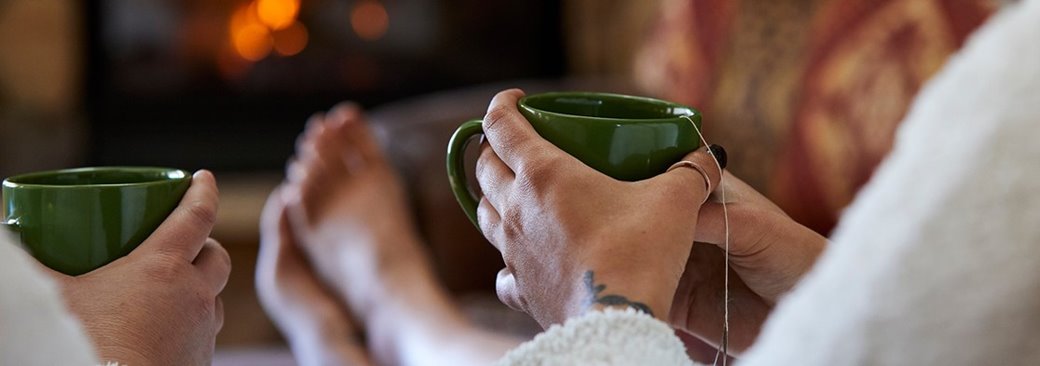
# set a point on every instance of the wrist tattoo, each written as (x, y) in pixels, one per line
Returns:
(609, 300)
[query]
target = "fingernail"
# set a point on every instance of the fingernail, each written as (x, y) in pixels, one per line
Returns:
(720, 155)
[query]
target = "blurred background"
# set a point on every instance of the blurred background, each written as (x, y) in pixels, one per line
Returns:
(222, 84)
(228, 84)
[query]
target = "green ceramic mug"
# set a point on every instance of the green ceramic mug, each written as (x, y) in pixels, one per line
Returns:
(77, 220)
(628, 138)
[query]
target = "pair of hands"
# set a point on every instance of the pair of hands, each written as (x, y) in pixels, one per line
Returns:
(574, 239)
(159, 305)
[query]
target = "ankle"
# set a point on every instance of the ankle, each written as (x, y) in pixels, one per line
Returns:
(404, 336)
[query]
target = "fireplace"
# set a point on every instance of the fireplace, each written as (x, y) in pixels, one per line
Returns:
(228, 84)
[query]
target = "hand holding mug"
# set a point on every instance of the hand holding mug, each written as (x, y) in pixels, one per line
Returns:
(573, 238)
(159, 305)
(77, 220)
(625, 137)
(769, 253)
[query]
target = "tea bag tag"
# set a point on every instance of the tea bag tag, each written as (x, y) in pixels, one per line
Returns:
(723, 351)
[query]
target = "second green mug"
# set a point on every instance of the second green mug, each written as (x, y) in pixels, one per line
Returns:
(625, 137)
(77, 220)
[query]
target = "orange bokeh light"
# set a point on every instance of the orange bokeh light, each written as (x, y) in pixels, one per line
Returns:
(291, 40)
(277, 14)
(243, 16)
(253, 42)
(369, 20)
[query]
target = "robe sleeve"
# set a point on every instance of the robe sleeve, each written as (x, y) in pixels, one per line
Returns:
(35, 327)
(610, 337)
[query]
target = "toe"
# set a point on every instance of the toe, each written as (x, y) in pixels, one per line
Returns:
(348, 123)
(279, 256)
(333, 151)
(361, 136)
(314, 120)
(276, 260)
(307, 149)
(316, 181)
(295, 172)
(307, 182)
(315, 123)
(333, 142)
(345, 112)
(293, 296)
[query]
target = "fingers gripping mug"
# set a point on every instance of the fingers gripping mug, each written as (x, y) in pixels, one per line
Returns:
(77, 220)
(625, 137)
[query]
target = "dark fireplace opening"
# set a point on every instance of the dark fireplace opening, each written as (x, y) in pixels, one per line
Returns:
(227, 85)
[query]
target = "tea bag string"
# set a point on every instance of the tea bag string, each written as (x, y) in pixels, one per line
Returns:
(723, 351)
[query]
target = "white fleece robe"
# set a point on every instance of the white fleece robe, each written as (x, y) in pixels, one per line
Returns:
(35, 328)
(937, 262)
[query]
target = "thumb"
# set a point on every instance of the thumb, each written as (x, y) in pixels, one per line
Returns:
(698, 172)
(184, 232)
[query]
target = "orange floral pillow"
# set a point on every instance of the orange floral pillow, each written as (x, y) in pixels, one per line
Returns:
(805, 94)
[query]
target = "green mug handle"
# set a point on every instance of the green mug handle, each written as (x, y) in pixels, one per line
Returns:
(456, 171)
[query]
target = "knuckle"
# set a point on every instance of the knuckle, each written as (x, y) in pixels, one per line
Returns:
(541, 191)
(512, 230)
(164, 268)
(511, 221)
(495, 116)
(539, 171)
(203, 212)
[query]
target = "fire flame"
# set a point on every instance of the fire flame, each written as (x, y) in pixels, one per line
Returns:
(260, 26)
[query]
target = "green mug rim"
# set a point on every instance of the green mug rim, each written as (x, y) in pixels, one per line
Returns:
(170, 173)
(690, 111)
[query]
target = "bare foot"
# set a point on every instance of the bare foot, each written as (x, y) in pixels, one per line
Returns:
(318, 329)
(348, 208)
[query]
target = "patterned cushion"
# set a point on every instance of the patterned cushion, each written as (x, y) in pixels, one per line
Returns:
(805, 94)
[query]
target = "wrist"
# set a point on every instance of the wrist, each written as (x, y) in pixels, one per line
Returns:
(602, 290)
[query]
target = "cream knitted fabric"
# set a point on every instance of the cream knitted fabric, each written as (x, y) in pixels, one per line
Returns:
(35, 328)
(611, 337)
